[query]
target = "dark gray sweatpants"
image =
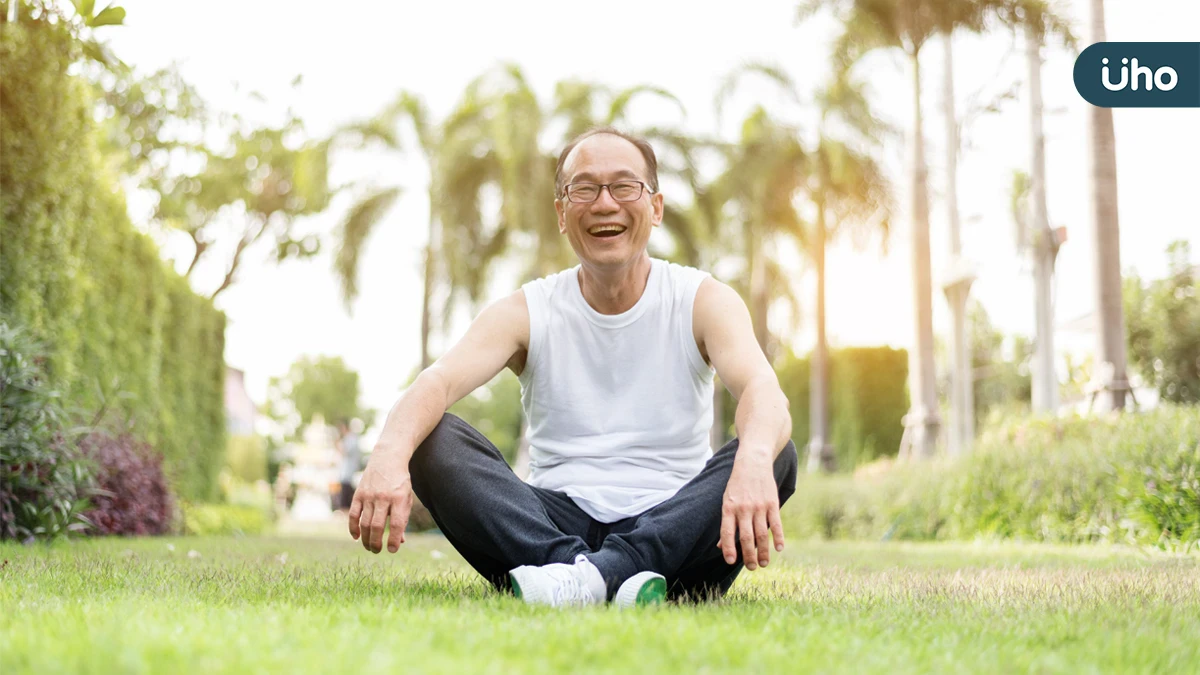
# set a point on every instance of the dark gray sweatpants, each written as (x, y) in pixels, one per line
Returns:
(497, 522)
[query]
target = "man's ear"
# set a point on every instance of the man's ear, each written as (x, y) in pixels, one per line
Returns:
(657, 207)
(560, 208)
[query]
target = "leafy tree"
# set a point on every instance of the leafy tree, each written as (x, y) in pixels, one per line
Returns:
(1001, 381)
(1162, 324)
(323, 386)
(255, 183)
(495, 410)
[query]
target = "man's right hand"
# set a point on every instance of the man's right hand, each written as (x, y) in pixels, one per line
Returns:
(384, 496)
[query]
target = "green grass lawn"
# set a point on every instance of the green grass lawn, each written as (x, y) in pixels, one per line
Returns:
(302, 604)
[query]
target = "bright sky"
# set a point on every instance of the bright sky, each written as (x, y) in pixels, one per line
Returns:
(354, 61)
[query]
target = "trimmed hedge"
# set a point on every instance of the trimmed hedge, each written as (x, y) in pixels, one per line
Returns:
(246, 457)
(119, 324)
(1134, 478)
(223, 519)
(868, 397)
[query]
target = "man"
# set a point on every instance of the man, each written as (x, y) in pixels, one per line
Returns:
(349, 458)
(625, 500)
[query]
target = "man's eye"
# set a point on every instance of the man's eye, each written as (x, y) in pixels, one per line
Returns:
(623, 190)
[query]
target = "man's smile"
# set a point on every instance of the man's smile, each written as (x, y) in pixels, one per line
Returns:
(606, 230)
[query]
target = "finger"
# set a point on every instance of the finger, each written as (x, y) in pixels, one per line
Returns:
(378, 525)
(356, 508)
(746, 532)
(364, 523)
(399, 521)
(776, 527)
(727, 543)
(762, 538)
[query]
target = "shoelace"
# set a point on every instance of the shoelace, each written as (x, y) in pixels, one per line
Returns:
(571, 591)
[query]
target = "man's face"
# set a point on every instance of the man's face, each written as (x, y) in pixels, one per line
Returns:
(604, 159)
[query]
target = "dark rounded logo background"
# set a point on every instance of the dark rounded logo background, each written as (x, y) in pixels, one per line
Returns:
(1183, 58)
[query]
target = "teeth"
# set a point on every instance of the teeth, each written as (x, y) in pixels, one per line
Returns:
(606, 228)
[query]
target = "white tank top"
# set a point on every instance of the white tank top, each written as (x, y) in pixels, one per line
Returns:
(619, 406)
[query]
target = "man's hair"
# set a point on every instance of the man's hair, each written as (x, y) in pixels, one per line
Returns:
(641, 144)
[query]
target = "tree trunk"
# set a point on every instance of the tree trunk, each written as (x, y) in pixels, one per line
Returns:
(427, 292)
(1110, 344)
(717, 434)
(923, 420)
(1045, 382)
(820, 452)
(521, 463)
(758, 292)
(961, 432)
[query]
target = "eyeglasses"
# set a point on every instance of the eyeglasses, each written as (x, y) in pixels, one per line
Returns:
(622, 191)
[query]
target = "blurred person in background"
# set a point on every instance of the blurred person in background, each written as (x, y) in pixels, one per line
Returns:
(350, 458)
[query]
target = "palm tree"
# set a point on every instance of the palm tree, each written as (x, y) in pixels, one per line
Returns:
(958, 288)
(371, 208)
(908, 25)
(1103, 181)
(696, 227)
(905, 25)
(852, 197)
(764, 172)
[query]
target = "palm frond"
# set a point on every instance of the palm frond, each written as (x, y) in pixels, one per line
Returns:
(771, 72)
(359, 223)
(410, 106)
(620, 103)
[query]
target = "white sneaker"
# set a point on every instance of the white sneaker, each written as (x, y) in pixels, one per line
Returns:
(580, 584)
(643, 588)
(559, 584)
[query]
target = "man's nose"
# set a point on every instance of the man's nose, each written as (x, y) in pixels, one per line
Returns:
(604, 202)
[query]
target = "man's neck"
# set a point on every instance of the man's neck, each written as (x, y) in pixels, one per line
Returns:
(614, 291)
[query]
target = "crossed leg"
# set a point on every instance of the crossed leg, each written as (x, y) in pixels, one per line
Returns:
(497, 522)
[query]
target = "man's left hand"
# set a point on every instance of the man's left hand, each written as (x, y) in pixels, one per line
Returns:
(750, 511)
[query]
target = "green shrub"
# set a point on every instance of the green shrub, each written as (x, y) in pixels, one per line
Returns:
(119, 325)
(246, 458)
(214, 519)
(868, 397)
(1131, 479)
(44, 481)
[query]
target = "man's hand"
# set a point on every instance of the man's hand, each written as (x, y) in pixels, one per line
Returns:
(384, 496)
(750, 511)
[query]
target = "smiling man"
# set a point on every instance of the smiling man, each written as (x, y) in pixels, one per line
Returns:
(625, 500)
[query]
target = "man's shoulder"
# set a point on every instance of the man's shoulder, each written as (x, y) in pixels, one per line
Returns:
(715, 301)
(682, 273)
(543, 288)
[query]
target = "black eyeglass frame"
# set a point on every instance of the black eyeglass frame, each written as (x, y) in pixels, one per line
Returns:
(566, 191)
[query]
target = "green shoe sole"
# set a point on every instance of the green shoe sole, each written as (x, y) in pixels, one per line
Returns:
(642, 589)
(653, 592)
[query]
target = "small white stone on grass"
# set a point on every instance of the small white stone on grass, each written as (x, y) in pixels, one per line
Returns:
(436, 554)
(193, 554)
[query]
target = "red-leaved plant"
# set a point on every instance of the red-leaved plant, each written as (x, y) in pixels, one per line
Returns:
(133, 498)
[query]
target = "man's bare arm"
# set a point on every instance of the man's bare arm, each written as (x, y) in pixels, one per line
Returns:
(384, 495)
(750, 509)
